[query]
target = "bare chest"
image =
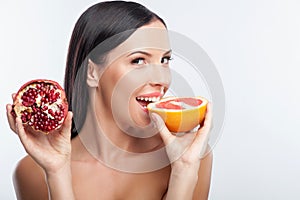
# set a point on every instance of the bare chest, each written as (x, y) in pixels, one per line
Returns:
(99, 182)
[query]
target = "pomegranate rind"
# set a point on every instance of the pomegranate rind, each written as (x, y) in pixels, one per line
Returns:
(180, 120)
(18, 106)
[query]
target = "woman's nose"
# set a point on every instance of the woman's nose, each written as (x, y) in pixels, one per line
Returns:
(159, 75)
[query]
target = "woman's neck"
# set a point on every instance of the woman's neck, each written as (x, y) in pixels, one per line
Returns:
(116, 149)
(105, 136)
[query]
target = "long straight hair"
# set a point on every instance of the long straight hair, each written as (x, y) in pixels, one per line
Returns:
(98, 23)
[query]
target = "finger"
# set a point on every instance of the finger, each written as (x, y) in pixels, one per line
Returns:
(165, 134)
(207, 121)
(13, 96)
(21, 132)
(200, 142)
(10, 118)
(25, 138)
(67, 125)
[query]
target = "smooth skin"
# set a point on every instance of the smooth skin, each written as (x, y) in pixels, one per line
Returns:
(188, 178)
(58, 168)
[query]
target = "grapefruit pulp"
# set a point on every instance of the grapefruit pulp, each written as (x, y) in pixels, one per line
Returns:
(180, 114)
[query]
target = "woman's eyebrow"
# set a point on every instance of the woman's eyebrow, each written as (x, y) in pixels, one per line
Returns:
(148, 54)
(168, 52)
(142, 52)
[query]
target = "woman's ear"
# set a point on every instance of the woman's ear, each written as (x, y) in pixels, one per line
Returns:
(93, 74)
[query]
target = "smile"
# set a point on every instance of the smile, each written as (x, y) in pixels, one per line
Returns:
(145, 99)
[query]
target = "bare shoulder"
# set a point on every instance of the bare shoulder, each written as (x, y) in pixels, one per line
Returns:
(29, 180)
(204, 178)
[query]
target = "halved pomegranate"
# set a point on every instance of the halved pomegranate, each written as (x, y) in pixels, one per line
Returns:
(41, 104)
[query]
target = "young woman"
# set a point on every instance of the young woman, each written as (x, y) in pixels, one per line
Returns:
(110, 41)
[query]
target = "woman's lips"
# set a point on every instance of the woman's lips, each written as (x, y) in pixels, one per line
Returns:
(145, 99)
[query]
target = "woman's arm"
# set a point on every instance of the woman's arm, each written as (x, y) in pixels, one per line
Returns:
(190, 173)
(184, 185)
(60, 184)
(201, 191)
(51, 152)
(31, 182)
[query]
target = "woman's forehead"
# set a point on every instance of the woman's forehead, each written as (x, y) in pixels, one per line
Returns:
(143, 38)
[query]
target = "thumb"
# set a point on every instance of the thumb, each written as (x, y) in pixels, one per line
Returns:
(165, 134)
(67, 125)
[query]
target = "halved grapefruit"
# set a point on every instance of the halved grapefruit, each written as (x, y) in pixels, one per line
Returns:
(180, 114)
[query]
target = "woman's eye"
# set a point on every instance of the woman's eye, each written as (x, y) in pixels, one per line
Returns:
(138, 61)
(165, 60)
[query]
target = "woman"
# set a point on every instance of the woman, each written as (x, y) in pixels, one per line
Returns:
(60, 168)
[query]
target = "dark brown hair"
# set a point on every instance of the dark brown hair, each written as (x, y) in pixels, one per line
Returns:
(98, 23)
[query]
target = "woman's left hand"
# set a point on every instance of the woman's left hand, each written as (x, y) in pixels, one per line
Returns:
(185, 153)
(186, 150)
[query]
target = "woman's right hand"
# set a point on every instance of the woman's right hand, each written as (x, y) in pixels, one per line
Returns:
(52, 151)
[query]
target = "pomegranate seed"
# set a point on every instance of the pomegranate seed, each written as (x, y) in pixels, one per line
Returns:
(44, 108)
(40, 114)
(34, 109)
(23, 118)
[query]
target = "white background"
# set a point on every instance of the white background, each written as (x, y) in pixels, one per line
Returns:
(255, 45)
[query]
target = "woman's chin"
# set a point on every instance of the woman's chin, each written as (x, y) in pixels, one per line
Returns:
(141, 119)
(141, 122)
(140, 116)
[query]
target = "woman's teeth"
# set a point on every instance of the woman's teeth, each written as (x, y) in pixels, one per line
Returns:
(150, 99)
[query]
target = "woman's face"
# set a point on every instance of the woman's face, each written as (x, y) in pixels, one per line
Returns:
(136, 74)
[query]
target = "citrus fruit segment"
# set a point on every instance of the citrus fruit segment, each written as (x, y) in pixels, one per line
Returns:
(180, 114)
